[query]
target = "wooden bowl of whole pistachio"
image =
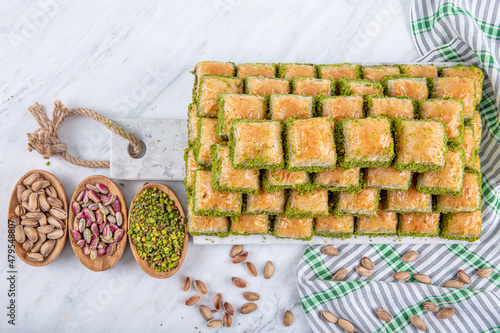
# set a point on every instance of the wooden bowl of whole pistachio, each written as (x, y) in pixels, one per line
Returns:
(37, 217)
(157, 230)
(98, 223)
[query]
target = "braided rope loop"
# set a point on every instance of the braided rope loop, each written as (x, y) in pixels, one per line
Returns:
(45, 140)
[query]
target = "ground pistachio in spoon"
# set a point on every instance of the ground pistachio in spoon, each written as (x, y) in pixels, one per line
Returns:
(157, 229)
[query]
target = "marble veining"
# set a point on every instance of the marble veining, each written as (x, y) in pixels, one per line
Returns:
(131, 59)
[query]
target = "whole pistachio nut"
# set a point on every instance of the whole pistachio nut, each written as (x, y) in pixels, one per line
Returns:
(101, 252)
(89, 214)
(54, 202)
(93, 254)
(26, 195)
(28, 245)
(91, 187)
(81, 242)
(40, 184)
(30, 179)
(111, 219)
(55, 222)
(34, 256)
(19, 192)
(44, 205)
(93, 207)
(99, 217)
(51, 191)
(58, 213)
(29, 223)
(33, 202)
(19, 234)
(47, 247)
(37, 246)
(56, 234)
(46, 229)
(110, 210)
(31, 233)
(106, 233)
(20, 210)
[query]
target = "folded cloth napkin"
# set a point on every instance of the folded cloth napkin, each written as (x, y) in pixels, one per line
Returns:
(458, 31)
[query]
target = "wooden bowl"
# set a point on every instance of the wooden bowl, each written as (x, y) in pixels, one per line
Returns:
(143, 263)
(61, 194)
(104, 262)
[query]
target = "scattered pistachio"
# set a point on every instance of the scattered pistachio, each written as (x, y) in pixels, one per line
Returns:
(330, 251)
(445, 313)
(248, 308)
(327, 316)
(235, 250)
(346, 325)
(251, 269)
(340, 275)
(418, 323)
(484, 272)
(287, 318)
(463, 277)
(268, 270)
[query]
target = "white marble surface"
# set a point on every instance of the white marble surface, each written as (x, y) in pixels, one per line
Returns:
(130, 59)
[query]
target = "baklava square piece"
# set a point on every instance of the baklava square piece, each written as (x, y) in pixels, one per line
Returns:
(291, 71)
(310, 144)
(273, 180)
(214, 68)
(477, 128)
(257, 85)
(192, 124)
(334, 226)
(257, 69)
(339, 71)
(468, 201)
(410, 201)
(208, 201)
(349, 87)
(250, 225)
(207, 136)
(340, 107)
(226, 178)
(469, 147)
(364, 203)
(471, 71)
(420, 145)
(377, 73)
(426, 71)
(206, 225)
(312, 87)
(462, 226)
(388, 178)
(256, 144)
(191, 167)
(282, 107)
(364, 142)
(391, 107)
(450, 112)
(455, 87)
(476, 167)
(381, 224)
(210, 88)
(447, 181)
(211, 68)
(406, 85)
(285, 227)
(347, 180)
(271, 203)
(238, 106)
(307, 204)
(418, 225)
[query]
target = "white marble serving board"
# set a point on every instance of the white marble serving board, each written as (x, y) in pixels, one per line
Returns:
(164, 143)
(269, 239)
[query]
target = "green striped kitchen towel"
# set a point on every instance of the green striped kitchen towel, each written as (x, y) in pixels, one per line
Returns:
(459, 31)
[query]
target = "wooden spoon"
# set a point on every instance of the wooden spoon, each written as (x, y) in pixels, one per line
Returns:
(61, 194)
(144, 264)
(104, 262)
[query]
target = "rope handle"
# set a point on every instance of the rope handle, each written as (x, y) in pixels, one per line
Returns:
(45, 140)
